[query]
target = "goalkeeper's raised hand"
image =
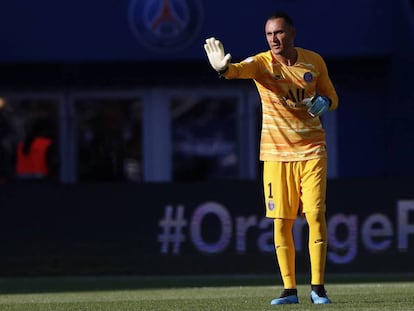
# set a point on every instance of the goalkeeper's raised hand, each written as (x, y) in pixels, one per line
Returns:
(216, 56)
(317, 105)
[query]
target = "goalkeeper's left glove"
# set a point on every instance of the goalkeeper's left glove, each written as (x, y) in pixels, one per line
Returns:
(317, 105)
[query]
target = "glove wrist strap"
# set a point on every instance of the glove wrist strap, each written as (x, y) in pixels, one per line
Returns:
(222, 71)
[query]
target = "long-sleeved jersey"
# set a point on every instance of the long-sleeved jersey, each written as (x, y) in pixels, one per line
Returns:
(289, 132)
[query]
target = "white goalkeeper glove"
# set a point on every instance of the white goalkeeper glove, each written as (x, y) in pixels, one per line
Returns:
(317, 105)
(215, 53)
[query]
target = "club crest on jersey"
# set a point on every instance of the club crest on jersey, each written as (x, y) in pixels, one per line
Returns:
(271, 205)
(308, 76)
(165, 26)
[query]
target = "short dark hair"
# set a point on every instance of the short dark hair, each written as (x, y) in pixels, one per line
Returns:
(284, 15)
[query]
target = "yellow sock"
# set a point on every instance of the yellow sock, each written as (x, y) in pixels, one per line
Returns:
(317, 246)
(285, 251)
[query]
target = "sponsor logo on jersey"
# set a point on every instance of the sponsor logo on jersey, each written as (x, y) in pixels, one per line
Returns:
(165, 26)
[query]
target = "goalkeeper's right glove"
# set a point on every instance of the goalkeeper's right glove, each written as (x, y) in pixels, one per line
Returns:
(215, 53)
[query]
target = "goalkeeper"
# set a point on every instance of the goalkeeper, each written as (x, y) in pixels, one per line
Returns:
(295, 89)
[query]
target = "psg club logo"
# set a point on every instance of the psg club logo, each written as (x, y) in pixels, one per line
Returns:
(165, 26)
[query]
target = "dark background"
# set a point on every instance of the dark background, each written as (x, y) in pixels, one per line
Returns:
(74, 45)
(368, 45)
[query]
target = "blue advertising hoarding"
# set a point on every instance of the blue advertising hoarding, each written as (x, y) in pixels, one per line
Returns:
(196, 228)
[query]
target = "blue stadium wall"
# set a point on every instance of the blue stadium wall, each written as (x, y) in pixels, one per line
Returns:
(94, 30)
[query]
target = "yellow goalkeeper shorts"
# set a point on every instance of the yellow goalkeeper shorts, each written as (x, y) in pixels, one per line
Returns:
(294, 188)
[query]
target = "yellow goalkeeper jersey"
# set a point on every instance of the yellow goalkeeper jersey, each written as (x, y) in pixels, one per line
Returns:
(289, 132)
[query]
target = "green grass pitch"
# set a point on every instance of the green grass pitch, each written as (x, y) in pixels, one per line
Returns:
(348, 292)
